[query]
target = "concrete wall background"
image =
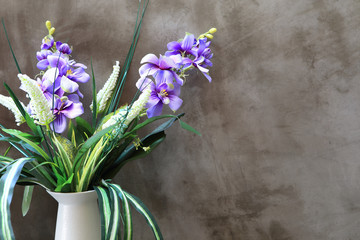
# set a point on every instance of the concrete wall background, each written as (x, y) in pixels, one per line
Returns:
(279, 155)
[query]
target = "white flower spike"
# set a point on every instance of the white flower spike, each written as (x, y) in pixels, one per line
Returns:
(40, 107)
(105, 93)
(9, 103)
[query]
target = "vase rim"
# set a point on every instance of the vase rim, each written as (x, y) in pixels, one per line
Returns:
(69, 198)
(84, 192)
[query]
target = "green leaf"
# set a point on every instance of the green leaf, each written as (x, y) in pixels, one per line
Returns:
(115, 216)
(105, 211)
(95, 107)
(89, 144)
(19, 135)
(131, 153)
(188, 127)
(143, 210)
(63, 184)
(28, 191)
(146, 122)
(7, 184)
(84, 127)
(122, 156)
(115, 98)
(12, 52)
(64, 155)
(126, 211)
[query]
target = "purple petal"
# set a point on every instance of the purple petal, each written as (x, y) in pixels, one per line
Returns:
(148, 69)
(59, 124)
(175, 90)
(166, 63)
(162, 87)
(153, 100)
(175, 102)
(164, 76)
(207, 63)
(142, 83)
(42, 64)
(79, 65)
(68, 86)
(178, 79)
(176, 46)
(150, 58)
(74, 98)
(207, 76)
(177, 59)
(80, 94)
(202, 69)
(51, 75)
(58, 44)
(60, 92)
(56, 61)
(79, 75)
(188, 42)
(63, 47)
(75, 110)
(43, 54)
(155, 110)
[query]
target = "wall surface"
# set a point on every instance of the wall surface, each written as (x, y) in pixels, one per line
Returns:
(280, 122)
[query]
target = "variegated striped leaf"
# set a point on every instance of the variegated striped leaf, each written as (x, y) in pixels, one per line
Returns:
(143, 210)
(126, 211)
(7, 184)
(105, 211)
(110, 212)
(115, 216)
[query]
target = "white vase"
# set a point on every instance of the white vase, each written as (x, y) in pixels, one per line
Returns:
(78, 216)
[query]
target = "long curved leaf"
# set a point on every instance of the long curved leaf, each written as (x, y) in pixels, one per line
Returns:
(131, 153)
(143, 210)
(126, 211)
(115, 216)
(19, 135)
(89, 144)
(105, 211)
(7, 184)
(28, 191)
(7, 38)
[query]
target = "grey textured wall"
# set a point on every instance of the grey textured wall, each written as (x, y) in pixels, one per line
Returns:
(279, 155)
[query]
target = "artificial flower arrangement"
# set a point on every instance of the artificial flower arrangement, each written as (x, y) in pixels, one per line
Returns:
(65, 153)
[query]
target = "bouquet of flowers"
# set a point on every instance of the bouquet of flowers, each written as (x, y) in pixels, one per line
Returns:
(65, 153)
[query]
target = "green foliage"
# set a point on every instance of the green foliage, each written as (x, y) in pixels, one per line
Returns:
(114, 204)
(28, 191)
(7, 184)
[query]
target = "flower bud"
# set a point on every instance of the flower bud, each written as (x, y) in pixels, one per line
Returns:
(48, 24)
(209, 36)
(51, 31)
(212, 30)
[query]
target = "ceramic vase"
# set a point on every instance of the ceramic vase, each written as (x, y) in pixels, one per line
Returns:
(78, 216)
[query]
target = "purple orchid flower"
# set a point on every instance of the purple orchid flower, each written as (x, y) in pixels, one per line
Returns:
(161, 93)
(160, 68)
(204, 51)
(202, 58)
(63, 48)
(64, 108)
(70, 73)
(49, 88)
(47, 42)
(42, 58)
(185, 46)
